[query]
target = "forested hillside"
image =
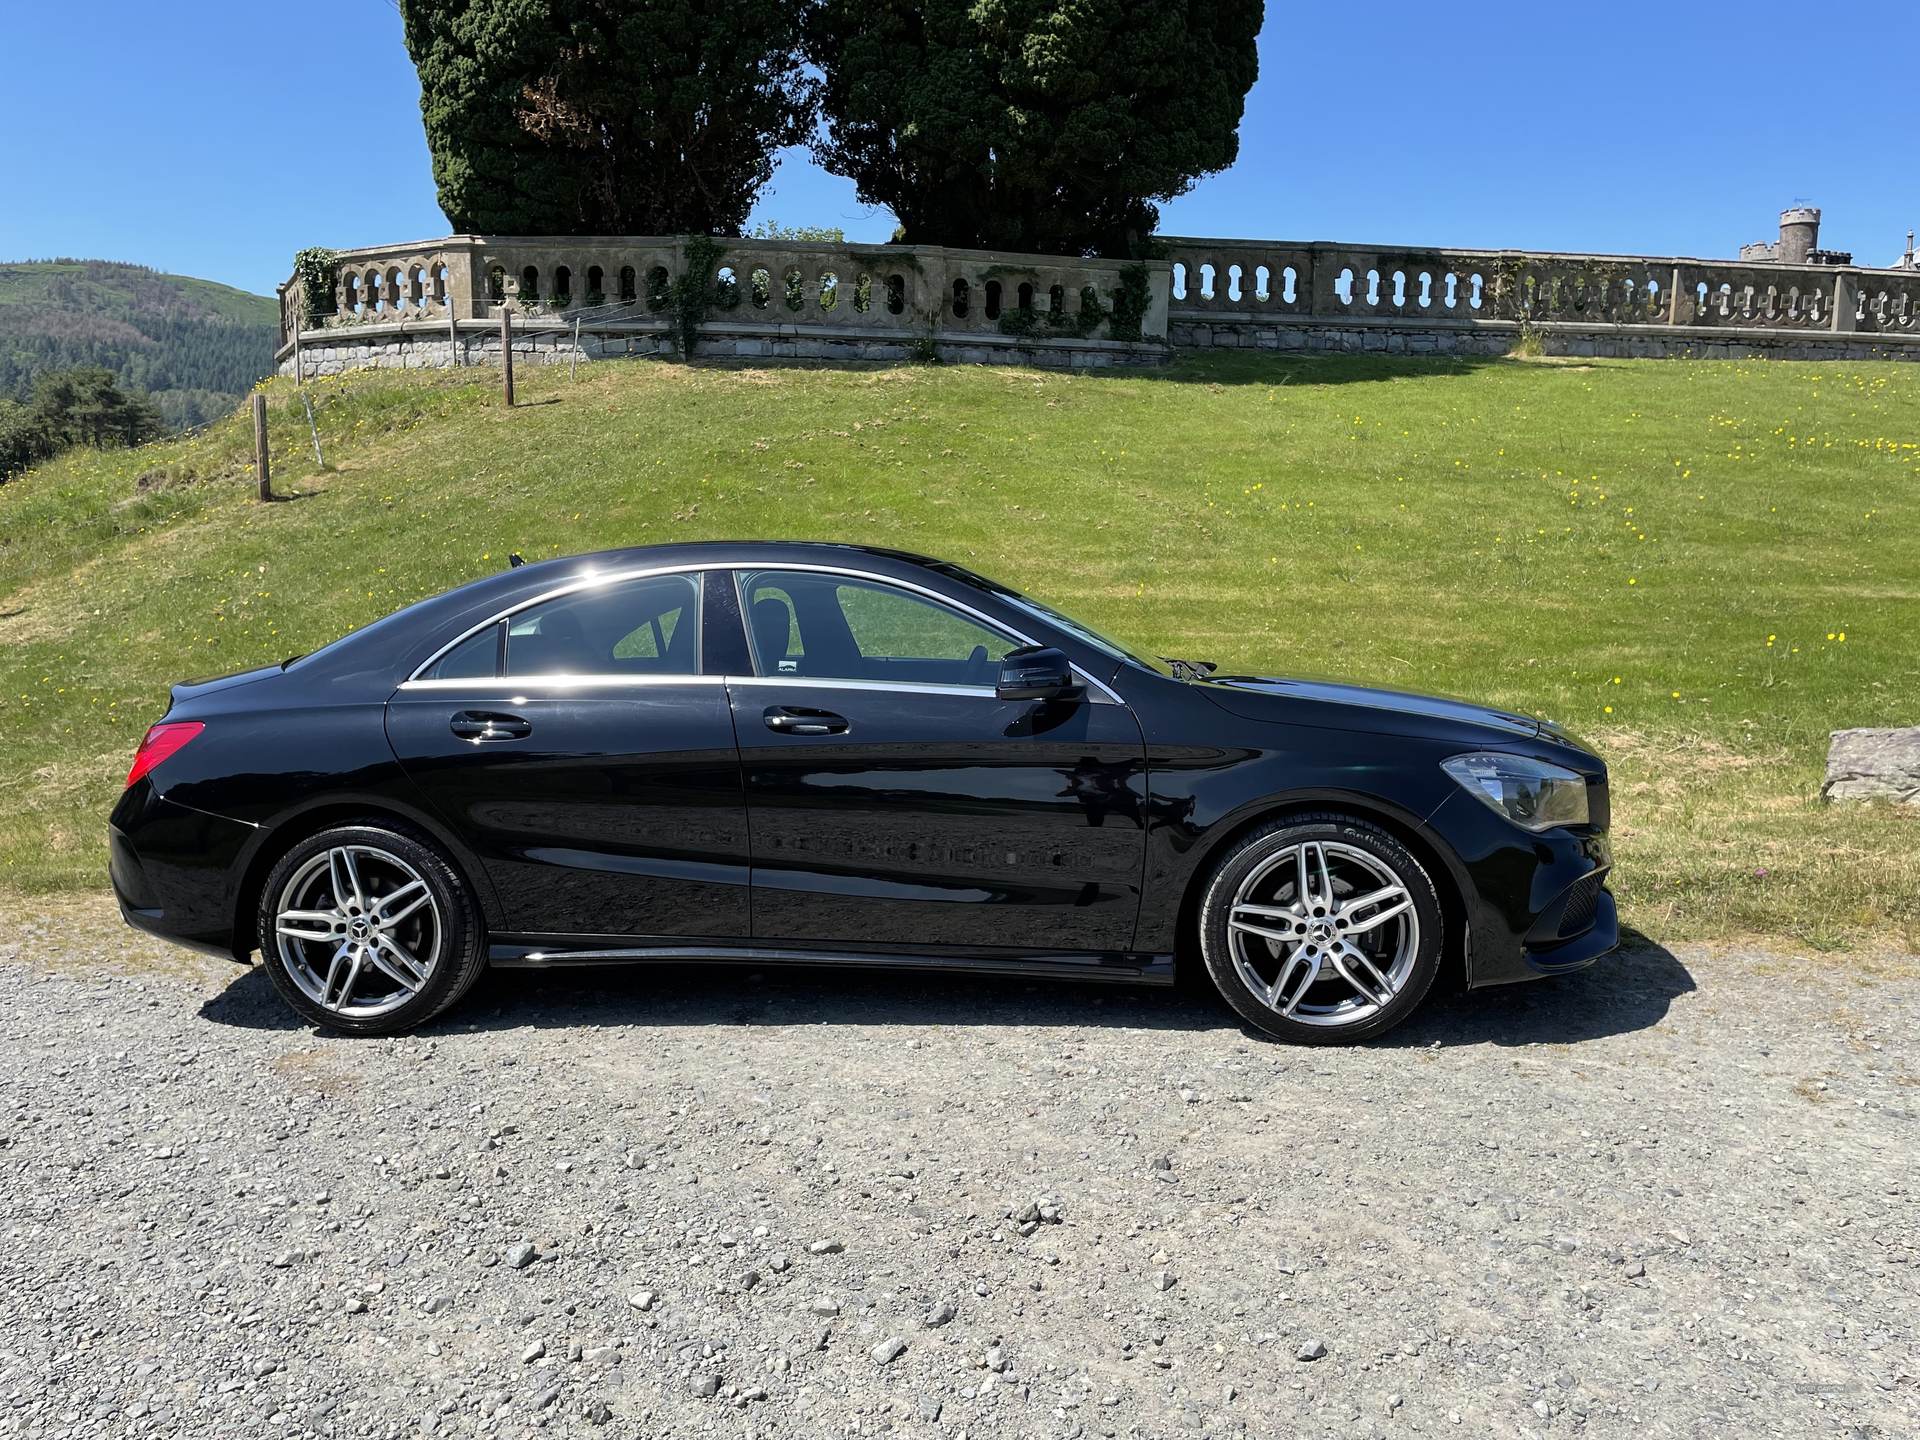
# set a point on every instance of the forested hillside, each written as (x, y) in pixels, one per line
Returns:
(193, 346)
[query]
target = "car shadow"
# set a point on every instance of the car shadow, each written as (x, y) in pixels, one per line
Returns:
(1627, 991)
(1631, 989)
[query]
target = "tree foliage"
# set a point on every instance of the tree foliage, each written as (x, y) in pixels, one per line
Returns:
(606, 116)
(81, 406)
(1037, 125)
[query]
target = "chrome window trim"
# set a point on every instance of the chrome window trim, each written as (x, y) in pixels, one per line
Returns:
(1102, 693)
(515, 684)
(891, 687)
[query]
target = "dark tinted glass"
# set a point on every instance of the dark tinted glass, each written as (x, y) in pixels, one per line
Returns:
(823, 626)
(475, 658)
(648, 626)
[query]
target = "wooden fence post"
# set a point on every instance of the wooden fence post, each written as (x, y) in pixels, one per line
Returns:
(506, 353)
(260, 446)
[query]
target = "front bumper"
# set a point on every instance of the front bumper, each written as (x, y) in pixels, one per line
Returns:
(173, 870)
(1537, 904)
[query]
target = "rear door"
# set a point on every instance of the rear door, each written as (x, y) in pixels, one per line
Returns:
(581, 750)
(896, 801)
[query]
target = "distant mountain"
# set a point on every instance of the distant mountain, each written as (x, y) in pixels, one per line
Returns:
(193, 346)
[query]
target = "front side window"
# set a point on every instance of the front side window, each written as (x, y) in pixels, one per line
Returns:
(833, 627)
(647, 626)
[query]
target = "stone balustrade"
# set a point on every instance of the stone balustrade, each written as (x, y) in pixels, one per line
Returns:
(768, 297)
(1276, 294)
(437, 302)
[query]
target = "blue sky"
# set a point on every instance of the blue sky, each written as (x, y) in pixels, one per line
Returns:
(219, 146)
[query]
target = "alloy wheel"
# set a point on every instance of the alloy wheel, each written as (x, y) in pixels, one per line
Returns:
(1323, 933)
(358, 930)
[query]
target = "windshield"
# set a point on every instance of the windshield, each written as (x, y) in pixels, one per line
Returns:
(1086, 634)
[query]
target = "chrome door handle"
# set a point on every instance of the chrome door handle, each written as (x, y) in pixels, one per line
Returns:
(486, 725)
(798, 720)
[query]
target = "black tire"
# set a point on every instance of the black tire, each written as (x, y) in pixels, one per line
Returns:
(461, 952)
(1260, 846)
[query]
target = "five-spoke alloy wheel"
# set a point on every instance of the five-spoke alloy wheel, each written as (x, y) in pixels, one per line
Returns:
(368, 930)
(1323, 928)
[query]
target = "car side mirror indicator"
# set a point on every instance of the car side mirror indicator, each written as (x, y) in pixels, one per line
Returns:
(1037, 672)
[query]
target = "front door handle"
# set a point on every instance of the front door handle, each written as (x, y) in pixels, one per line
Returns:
(798, 720)
(488, 725)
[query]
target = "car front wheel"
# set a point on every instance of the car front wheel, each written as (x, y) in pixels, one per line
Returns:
(1322, 929)
(368, 930)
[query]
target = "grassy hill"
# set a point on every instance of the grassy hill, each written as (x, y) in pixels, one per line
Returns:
(195, 347)
(1704, 567)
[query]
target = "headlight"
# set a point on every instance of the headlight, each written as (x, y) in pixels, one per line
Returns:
(1531, 793)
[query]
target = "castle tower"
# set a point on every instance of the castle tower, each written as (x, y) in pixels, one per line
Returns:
(1799, 234)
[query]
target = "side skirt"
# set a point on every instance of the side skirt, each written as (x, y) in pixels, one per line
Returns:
(543, 952)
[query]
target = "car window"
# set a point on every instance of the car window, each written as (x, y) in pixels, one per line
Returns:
(476, 657)
(821, 626)
(772, 617)
(648, 626)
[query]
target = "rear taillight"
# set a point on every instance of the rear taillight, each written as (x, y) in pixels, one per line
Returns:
(162, 741)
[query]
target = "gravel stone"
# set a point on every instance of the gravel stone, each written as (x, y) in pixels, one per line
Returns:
(888, 1350)
(521, 1255)
(1312, 1349)
(1745, 1238)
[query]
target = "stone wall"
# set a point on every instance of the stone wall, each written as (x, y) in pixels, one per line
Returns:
(437, 303)
(421, 346)
(1664, 342)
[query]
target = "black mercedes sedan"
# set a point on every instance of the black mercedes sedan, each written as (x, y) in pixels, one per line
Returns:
(822, 754)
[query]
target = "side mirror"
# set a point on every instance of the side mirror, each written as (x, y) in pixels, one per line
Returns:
(1038, 672)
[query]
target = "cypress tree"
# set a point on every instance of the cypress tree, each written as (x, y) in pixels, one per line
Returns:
(655, 117)
(1038, 125)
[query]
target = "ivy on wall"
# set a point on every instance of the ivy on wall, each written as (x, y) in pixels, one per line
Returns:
(691, 294)
(315, 268)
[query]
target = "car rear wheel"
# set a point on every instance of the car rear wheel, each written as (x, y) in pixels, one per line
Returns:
(368, 930)
(1322, 929)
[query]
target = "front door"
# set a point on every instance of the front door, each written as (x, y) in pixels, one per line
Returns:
(895, 801)
(579, 750)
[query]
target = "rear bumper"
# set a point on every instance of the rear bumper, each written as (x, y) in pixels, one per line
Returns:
(172, 870)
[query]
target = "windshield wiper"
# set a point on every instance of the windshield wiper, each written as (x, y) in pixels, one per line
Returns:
(1190, 669)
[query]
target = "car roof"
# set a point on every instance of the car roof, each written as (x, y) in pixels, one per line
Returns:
(742, 552)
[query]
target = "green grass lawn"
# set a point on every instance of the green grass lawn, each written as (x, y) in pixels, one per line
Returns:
(1703, 567)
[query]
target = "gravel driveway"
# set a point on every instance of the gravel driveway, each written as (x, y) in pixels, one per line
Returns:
(1673, 1196)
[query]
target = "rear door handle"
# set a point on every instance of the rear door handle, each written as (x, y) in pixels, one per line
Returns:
(798, 720)
(488, 725)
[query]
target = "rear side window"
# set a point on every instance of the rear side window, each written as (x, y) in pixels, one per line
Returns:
(475, 658)
(647, 626)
